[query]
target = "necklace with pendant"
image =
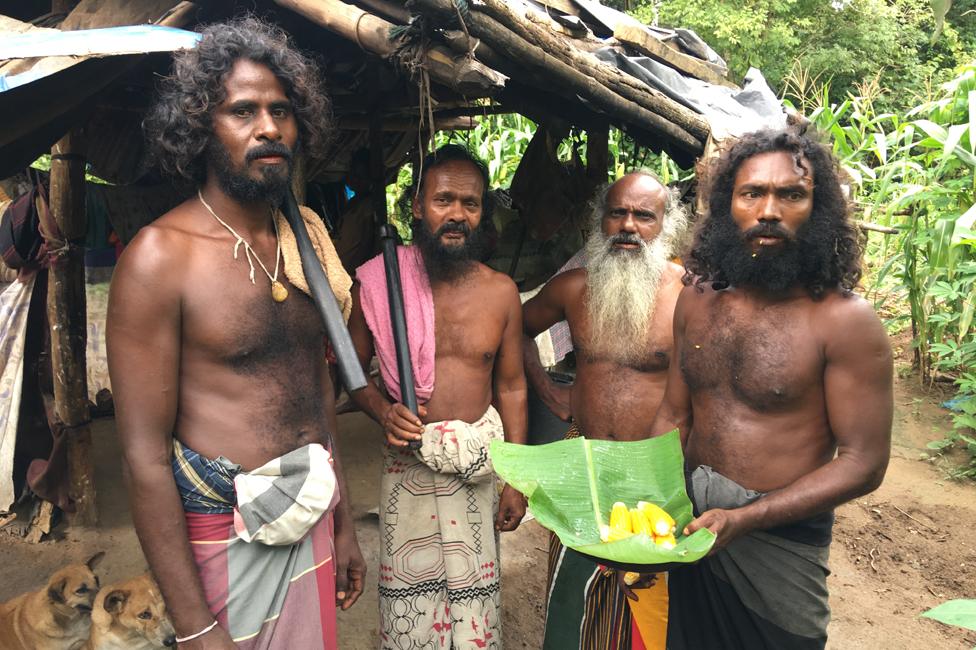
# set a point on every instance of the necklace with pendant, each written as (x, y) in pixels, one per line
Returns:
(278, 290)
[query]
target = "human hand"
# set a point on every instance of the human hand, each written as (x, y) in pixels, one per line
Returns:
(556, 398)
(643, 582)
(350, 569)
(727, 525)
(401, 426)
(215, 639)
(511, 509)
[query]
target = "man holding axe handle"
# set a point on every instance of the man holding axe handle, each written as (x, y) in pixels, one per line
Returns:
(217, 353)
(440, 510)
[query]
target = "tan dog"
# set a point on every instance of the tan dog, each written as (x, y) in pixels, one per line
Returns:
(57, 617)
(130, 615)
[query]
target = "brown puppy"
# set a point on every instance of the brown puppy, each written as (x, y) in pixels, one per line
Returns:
(130, 615)
(57, 617)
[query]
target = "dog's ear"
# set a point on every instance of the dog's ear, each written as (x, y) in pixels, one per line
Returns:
(93, 561)
(55, 591)
(115, 601)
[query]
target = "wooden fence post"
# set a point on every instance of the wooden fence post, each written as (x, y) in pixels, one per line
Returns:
(67, 314)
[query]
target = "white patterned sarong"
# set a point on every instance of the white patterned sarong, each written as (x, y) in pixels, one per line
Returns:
(14, 303)
(439, 571)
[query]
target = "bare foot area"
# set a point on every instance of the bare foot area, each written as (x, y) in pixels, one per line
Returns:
(898, 552)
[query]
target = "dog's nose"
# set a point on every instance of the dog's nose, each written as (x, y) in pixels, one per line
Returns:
(170, 641)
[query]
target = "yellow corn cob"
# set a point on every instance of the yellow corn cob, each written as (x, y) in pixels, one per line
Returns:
(630, 578)
(666, 542)
(662, 523)
(608, 534)
(640, 523)
(620, 518)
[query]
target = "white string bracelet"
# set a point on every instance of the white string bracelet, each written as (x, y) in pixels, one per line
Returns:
(198, 634)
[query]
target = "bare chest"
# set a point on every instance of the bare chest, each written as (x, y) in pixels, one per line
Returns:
(468, 324)
(766, 358)
(240, 325)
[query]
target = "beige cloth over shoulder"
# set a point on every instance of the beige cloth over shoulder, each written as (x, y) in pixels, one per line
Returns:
(338, 278)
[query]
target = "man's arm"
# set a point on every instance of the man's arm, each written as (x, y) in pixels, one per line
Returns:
(143, 340)
(539, 313)
(675, 409)
(350, 565)
(859, 403)
(400, 425)
(510, 396)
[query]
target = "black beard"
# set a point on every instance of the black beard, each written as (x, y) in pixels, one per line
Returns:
(449, 263)
(239, 186)
(777, 268)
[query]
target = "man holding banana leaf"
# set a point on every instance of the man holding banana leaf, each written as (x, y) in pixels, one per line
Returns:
(781, 388)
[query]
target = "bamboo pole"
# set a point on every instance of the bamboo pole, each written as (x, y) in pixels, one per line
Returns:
(67, 314)
(372, 33)
(568, 80)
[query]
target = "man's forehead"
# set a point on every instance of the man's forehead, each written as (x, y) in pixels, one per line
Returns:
(246, 75)
(456, 175)
(779, 167)
(637, 188)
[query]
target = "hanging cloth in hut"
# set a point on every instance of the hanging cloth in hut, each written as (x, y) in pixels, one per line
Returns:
(14, 303)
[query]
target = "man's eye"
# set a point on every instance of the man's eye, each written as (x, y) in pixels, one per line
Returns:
(242, 112)
(280, 112)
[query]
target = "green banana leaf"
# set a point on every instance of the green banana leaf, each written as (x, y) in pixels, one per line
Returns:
(572, 485)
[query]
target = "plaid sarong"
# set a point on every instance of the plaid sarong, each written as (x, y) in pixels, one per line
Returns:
(278, 597)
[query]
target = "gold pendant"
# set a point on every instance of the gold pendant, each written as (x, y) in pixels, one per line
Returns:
(278, 291)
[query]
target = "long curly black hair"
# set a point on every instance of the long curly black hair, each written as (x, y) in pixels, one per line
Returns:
(178, 127)
(828, 240)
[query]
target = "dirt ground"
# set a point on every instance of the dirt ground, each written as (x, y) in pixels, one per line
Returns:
(896, 553)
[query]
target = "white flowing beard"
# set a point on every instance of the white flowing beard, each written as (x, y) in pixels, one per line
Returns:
(621, 290)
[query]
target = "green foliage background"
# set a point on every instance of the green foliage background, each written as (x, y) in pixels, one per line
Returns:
(843, 42)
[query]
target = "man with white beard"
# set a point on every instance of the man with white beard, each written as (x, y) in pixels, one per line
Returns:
(619, 310)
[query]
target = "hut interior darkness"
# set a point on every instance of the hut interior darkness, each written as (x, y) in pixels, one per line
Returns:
(396, 71)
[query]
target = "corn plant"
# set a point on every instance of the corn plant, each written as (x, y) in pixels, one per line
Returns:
(917, 173)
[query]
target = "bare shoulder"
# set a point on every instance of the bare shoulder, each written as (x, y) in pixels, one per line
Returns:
(850, 324)
(159, 249)
(848, 310)
(497, 283)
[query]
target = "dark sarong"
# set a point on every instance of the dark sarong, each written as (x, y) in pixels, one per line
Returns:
(767, 589)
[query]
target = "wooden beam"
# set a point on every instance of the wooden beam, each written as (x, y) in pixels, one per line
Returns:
(637, 36)
(67, 315)
(372, 33)
(451, 123)
(387, 9)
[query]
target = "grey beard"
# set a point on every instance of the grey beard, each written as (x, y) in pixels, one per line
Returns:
(621, 291)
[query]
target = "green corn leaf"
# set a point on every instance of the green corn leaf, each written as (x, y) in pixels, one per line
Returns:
(953, 137)
(972, 121)
(935, 131)
(960, 612)
(881, 147)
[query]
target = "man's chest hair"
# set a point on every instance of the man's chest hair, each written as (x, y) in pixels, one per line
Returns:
(766, 358)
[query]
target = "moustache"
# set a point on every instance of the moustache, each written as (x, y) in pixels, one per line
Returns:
(454, 226)
(624, 238)
(269, 149)
(767, 229)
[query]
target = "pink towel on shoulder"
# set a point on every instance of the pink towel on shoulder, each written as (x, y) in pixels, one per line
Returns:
(418, 303)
